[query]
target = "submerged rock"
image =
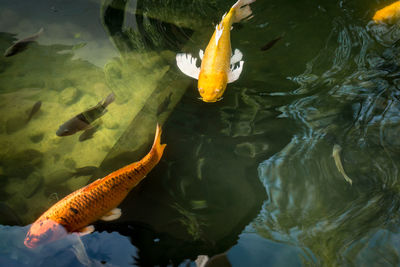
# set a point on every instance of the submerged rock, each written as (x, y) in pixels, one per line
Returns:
(110, 123)
(70, 163)
(59, 177)
(68, 96)
(14, 124)
(31, 156)
(85, 171)
(100, 88)
(36, 138)
(32, 184)
(22, 163)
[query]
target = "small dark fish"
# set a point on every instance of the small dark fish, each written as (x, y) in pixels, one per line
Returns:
(34, 110)
(270, 44)
(22, 44)
(85, 171)
(83, 120)
(88, 133)
(164, 105)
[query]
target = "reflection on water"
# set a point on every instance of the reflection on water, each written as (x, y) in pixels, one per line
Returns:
(97, 249)
(251, 176)
(352, 103)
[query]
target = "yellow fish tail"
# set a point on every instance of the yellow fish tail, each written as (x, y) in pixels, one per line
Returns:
(242, 10)
(157, 149)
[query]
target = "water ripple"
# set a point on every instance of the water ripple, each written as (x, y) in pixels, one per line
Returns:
(348, 95)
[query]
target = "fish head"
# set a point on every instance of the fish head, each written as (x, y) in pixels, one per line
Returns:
(212, 86)
(387, 14)
(380, 17)
(43, 232)
(72, 126)
(64, 131)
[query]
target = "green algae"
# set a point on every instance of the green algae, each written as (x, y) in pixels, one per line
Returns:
(66, 87)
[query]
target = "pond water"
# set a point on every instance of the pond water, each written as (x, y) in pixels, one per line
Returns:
(298, 164)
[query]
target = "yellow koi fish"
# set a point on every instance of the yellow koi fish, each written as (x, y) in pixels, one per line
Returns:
(218, 64)
(388, 14)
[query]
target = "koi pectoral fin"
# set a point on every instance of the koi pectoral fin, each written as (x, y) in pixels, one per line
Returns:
(234, 73)
(112, 215)
(236, 57)
(86, 230)
(187, 64)
(201, 54)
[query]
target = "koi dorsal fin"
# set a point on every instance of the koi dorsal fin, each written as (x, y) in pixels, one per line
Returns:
(234, 73)
(187, 64)
(218, 33)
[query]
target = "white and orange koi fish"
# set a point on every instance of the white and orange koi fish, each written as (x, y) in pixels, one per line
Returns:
(218, 64)
(97, 200)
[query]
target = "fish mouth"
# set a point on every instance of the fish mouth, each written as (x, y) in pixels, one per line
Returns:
(211, 100)
(29, 244)
(59, 132)
(63, 132)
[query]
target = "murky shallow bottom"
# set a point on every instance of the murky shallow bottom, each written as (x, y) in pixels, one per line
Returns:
(253, 178)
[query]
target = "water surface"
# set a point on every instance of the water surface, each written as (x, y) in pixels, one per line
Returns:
(251, 177)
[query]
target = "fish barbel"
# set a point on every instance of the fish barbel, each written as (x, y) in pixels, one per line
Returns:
(218, 64)
(97, 200)
(389, 14)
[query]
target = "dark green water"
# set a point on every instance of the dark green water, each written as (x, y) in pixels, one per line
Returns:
(252, 176)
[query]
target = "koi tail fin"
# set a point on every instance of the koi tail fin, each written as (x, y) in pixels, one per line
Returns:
(157, 149)
(243, 10)
(40, 31)
(109, 99)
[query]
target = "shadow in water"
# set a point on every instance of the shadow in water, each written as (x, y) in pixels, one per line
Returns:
(130, 28)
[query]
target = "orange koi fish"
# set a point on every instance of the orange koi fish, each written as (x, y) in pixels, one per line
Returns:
(218, 64)
(388, 14)
(97, 200)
